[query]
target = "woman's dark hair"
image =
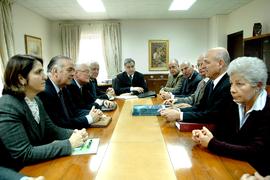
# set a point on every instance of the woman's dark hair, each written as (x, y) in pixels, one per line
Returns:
(18, 65)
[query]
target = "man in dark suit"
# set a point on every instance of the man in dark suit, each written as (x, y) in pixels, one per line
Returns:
(130, 80)
(97, 92)
(57, 98)
(82, 92)
(190, 82)
(217, 92)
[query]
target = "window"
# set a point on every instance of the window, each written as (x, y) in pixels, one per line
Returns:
(91, 49)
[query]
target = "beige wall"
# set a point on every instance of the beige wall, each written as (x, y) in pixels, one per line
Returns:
(188, 38)
(244, 18)
(27, 22)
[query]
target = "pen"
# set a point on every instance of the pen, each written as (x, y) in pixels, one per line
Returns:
(89, 143)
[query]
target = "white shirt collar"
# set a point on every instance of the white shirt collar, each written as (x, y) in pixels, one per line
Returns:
(55, 86)
(218, 79)
(257, 106)
(206, 79)
(77, 83)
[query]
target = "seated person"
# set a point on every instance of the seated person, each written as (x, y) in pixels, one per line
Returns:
(194, 98)
(130, 80)
(175, 79)
(27, 134)
(216, 96)
(97, 93)
(245, 135)
(9, 174)
(57, 98)
(191, 78)
(82, 92)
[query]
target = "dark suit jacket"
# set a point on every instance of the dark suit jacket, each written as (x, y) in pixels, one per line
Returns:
(24, 141)
(53, 106)
(84, 99)
(97, 92)
(250, 143)
(189, 85)
(211, 107)
(123, 84)
(8, 174)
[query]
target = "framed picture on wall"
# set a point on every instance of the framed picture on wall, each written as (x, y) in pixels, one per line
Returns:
(158, 55)
(33, 45)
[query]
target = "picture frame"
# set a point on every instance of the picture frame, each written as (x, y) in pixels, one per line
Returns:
(33, 45)
(158, 55)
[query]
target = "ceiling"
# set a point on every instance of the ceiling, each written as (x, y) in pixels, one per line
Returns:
(130, 9)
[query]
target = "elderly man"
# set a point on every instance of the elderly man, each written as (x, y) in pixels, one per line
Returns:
(189, 84)
(97, 93)
(194, 98)
(217, 92)
(57, 98)
(82, 92)
(130, 80)
(191, 79)
(175, 80)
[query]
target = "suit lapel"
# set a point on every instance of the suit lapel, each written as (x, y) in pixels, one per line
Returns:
(32, 122)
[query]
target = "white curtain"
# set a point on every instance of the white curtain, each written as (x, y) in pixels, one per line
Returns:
(70, 37)
(91, 47)
(6, 34)
(112, 48)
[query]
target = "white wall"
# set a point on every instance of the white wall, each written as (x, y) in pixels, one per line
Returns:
(244, 18)
(188, 38)
(30, 23)
(217, 31)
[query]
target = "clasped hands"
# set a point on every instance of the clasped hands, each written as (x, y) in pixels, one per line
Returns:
(96, 114)
(78, 137)
(202, 136)
(170, 114)
(164, 95)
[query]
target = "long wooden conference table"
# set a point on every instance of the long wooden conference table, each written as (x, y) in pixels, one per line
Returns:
(140, 147)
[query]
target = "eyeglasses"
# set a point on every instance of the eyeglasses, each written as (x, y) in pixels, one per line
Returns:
(84, 71)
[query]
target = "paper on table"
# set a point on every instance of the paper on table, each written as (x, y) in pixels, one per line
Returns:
(126, 96)
(89, 147)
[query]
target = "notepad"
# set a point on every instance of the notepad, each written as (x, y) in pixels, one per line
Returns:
(89, 147)
(147, 110)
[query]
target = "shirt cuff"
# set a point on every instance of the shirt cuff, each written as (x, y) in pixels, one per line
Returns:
(89, 118)
(25, 178)
(131, 89)
(99, 102)
(181, 116)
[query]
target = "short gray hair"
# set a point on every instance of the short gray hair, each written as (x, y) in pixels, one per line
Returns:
(186, 63)
(56, 62)
(174, 61)
(222, 53)
(93, 63)
(251, 69)
(128, 61)
(79, 66)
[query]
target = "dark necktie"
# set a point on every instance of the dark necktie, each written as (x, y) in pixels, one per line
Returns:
(94, 89)
(60, 94)
(210, 88)
(130, 79)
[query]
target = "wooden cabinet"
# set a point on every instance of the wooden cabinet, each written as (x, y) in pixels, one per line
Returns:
(155, 81)
(259, 46)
